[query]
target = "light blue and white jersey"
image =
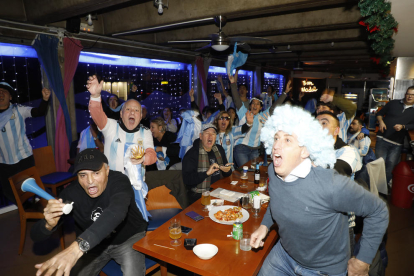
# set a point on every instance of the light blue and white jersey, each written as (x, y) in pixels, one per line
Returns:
(14, 145)
(351, 156)
(267, 100)
(228, 102)
(115, 140)
(344, 125)
(252, 137)
(362, 146)
(227, 141)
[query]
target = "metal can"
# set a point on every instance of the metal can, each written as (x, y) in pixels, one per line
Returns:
(237, 230)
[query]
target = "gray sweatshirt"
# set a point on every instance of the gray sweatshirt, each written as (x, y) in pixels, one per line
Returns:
(311, 213)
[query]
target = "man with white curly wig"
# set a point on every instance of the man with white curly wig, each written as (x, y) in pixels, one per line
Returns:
(309, 203)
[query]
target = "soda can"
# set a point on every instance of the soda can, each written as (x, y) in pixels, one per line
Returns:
(237, 230)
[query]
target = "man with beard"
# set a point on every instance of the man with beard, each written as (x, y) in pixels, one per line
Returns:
(108, 221)
(309, 203)
(361, 145)
(118, 133)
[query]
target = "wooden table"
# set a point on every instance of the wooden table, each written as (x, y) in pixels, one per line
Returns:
(230, 260)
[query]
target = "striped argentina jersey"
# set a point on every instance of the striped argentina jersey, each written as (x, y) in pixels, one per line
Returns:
(227, 142)
(14, 145)
(362, 146)
(344, 125)
(251, 138)
(115, 139)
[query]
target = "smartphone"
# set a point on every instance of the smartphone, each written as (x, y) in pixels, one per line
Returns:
(186, 230)
(228, 165)
(194, 216)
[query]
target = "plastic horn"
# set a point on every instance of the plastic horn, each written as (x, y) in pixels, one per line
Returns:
(29, 185)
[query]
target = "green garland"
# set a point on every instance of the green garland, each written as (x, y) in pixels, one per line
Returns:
(381, 26)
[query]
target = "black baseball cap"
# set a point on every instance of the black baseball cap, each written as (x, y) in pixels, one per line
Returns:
(89, 159)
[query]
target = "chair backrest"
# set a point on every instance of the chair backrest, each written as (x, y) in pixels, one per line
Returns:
(44, 160)
(160, 198)
(16, 184)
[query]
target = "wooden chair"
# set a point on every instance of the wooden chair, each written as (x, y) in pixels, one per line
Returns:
(45, 164)
(35, 210)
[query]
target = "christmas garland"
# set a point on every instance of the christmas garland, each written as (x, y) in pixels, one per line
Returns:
(381, 25)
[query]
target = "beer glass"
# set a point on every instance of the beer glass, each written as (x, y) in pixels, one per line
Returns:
(175, 232)
(205, 200)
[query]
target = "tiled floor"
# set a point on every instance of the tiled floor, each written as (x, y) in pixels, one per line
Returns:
(400, 246)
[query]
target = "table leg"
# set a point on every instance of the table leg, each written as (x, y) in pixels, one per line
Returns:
(163, 268)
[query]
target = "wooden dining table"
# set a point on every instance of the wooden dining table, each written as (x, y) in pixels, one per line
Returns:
(229, 260)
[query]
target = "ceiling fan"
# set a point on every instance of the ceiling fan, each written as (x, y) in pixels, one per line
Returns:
(221, 42)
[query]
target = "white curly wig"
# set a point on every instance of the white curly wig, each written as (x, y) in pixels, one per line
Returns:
(318, 142)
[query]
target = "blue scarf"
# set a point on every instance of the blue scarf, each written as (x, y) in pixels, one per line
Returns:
(190, 130)
(6, 115)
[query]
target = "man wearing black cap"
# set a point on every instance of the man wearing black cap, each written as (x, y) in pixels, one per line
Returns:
(107, 218)
(204, 163)
(15, 150)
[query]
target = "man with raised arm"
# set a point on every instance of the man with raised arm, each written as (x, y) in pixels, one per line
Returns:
(108, 221)
(16, 152)
(118, 133)
(247, 147)
(310, 202)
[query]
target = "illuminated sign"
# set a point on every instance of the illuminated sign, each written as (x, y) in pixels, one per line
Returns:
(164, 82)
(308, 86)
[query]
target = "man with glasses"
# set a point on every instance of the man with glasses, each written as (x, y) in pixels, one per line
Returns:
(395, 119)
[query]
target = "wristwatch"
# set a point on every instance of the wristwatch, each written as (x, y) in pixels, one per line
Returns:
(95, 138)
(83, 245)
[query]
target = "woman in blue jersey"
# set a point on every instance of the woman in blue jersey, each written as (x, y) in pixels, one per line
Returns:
(227, 133)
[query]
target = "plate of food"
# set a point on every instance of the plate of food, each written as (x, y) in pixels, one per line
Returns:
(228, 214)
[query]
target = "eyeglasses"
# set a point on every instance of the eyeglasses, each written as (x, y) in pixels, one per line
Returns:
(225, 118)
(409, 95)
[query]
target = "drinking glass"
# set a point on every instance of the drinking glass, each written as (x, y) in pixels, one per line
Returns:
(244, 178)
(253, 163)
(175, 232)
(262, 182)
(205, 200)
(256, 206)
(246, 202)
(245, 242)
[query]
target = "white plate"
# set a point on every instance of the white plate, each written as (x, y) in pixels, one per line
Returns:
(225, 207)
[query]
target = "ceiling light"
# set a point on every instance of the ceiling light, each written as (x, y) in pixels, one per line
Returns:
(90, 20)
(160, 5)
(220, 47)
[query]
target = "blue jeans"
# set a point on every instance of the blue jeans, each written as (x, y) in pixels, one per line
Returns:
(243, 154)
(390, 153)
(131, 261)
(279, 263)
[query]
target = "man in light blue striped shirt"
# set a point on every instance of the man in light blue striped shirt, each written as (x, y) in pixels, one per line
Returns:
(247, 147)
(15, 150)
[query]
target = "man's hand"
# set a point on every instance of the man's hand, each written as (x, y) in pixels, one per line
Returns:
(158, 149)
(62, 263)
(232, 79)
(288, 86)
(357, 267)
(45, 94)
(218, 97)
(219, 78)
(301, 95)
(94, 87)
(398, 127)
(213, 168)
(382, 126)
(137, 161)
(360, 136)
(191, 93)
(227, 167)
(258, 236)
(249, 117)
(326, 98)
(53, 212)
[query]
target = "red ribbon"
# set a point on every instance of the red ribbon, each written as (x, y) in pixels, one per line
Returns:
(376, 60)
(362, 23)
(395, 29)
